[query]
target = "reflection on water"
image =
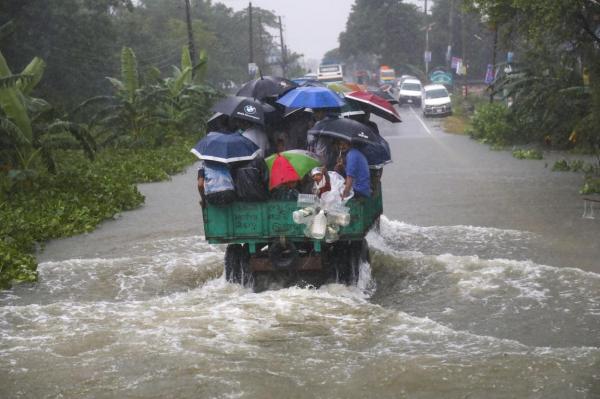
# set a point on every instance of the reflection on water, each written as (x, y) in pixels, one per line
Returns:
(449, 312)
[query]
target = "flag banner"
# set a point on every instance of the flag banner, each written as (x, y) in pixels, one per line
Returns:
(489, 74)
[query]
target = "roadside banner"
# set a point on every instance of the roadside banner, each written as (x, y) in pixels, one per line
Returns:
(458, 65)
(427, 56)
(489, 74)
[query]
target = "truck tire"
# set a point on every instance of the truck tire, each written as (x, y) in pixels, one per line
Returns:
(283, 256)
(358, 252)
(237, 264)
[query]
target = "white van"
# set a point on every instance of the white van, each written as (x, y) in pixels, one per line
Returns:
(330, 73)
(410, 92)
(436, 101)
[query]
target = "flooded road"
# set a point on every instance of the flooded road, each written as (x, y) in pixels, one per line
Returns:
(484, 283)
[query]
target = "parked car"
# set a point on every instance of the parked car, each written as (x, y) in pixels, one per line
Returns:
(410, 92)
(436, 101)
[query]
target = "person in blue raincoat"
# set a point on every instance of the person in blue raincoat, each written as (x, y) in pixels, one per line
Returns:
(215, 184)
(355, 169)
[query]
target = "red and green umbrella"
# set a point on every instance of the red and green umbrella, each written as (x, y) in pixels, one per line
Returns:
(289, 166)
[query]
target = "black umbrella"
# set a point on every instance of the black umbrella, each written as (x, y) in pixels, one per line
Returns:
(266, 86)
(345, 129)
(383, 94)
(217, 122)
(243, 108)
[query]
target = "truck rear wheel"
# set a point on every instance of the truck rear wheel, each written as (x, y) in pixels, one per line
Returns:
(347, 258)
(237, 264)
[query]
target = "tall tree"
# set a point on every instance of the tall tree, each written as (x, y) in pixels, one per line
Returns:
(388, 29)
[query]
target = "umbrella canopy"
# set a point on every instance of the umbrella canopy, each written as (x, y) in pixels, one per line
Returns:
(225, 148)
(311, 97)
(217, 122)
(281, 172)
(339, 88)
(377, 154)
(243, 108)
(302, 161)
(374, 104)
(354, 86)
(350, 108)
(266, 86)
(345, 129)
(383, 94)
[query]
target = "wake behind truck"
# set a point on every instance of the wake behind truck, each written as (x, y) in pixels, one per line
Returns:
(263, 238)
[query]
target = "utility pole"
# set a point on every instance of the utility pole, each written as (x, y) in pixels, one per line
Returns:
(463, 31)
(426, 42)
(283, 50)
(261, 47)
(250, 31)
(450, 35)
(192, 47)
(494, 45)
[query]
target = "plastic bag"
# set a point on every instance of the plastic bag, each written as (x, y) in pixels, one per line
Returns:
(333, 197)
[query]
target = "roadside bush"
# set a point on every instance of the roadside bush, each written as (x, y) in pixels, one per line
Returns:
(491, 125)
(527, 154)
(75, 200)
(591, 186)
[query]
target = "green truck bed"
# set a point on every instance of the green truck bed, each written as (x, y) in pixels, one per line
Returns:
(259, 222)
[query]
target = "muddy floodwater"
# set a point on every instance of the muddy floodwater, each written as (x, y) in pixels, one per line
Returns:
(484, 282)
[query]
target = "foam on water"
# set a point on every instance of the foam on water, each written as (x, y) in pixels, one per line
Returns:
(516, 299)
(163, 322)
(463, 240)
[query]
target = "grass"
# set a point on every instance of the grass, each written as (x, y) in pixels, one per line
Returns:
(456, 124)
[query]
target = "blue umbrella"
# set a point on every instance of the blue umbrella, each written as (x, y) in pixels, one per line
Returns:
(377, 154)
(225, 148)
(311, 97)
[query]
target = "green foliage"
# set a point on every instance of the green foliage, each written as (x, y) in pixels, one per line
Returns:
(75, 200)
(31, 128)
(527, 154)
(591, 186)
(153, 113)
(576, 165)
(491, 125)
(389, 30)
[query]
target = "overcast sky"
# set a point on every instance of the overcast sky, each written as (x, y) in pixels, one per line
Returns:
(311, 27)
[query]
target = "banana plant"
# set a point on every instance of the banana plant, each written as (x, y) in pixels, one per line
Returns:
(148, 112)
(30, 127)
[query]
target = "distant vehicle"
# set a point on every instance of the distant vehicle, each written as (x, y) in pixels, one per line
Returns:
(404, 77)
(441, 77)
(410, 92)
(387, 75)
(330, 73)
(436, 101)
(300, 80)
